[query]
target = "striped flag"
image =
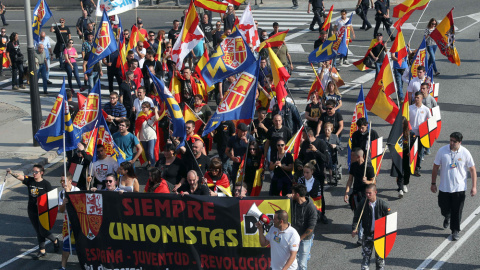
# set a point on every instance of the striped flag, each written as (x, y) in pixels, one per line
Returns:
(293, 145)
(258, 181)
(438, 118)
(406, 110)
(48, 209)
(405, 9)
(377, 152)
(280, 76)
(413, 156)
(318, 203)
(326, 23)
(275, 41)
(360, 111)
(444, 36)
(359, 64)
(316, 88)
(188, 115)
(212, 5)
(399, 46)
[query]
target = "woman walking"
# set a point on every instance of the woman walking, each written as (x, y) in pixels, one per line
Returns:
(70, 54)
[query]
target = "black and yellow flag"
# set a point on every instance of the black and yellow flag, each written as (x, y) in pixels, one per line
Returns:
(395, 143)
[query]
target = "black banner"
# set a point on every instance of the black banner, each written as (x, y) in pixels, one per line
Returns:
(160, 231)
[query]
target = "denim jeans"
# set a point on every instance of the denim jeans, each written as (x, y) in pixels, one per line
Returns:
(378, 66)
(42, 70)
(398, 79)
(48, 71)
(75, 72)
(303, 254)
(93, 78)
(149, 148)
(17, 70)
(431, 57)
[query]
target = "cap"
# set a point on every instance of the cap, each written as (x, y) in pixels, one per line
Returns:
(379, 34)
(242, 127)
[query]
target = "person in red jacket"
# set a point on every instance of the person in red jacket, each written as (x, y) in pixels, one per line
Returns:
(155, 183)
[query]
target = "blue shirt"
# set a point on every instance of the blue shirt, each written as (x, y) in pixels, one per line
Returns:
(404, 64)
(126, 143)
(117, 110)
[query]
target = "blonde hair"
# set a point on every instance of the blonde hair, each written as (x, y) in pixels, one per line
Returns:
(326, 125)
(310, 165)
(335, 88)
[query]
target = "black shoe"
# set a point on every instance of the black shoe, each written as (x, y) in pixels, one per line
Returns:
(5, 24)
(312, 29)
(362, 28)
(359, 243)
(455, 235)
(324, 219)
(56, 246)
(368, 28)
(49, 82)
(446, 222)
(417, 173)
(40, 255)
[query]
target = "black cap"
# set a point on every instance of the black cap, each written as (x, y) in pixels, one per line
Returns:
(379, 35)
(242, 127)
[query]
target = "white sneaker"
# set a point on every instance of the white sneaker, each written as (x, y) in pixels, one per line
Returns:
(400, 194)
(345, 62)
(405, 188)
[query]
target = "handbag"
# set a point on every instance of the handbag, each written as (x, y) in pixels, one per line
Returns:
(369, 62)
(359, 11)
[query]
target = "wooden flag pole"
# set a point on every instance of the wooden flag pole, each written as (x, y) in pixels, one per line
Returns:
(419, 21)
(368, 150)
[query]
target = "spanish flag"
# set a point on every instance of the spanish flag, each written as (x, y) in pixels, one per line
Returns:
(48, 209)
(135, 37)
(188, 115)
(378, 100)
(274, 41)
(198, 69)
(212, 5)
(444, 36)
(5, 62)
(235, 2)
(158, 55)
(258, 181)
(406, 110)
(359, 64)
(399, 47)
(280, 76)
(326, 23)
(175, 88)
(405, 9)
(318, 203)
(316, 88)
(293, 145)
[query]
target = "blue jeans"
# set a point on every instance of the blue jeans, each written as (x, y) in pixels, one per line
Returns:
(17, 74)
(149, 148)
(75, 72)
(93, 78)
(431, 57)
(398, 79)
(48, 65)
(303, 254)
(378, 66)
(42, 70)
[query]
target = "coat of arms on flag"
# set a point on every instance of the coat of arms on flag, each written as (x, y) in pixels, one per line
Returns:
(236, 94)
(235, 51)
(89, 209)
(103, 39)
(48, 209)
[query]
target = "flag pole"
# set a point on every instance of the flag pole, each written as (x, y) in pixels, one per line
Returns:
(91, 164)
(64, 158)
(196, 115)
(3, 185)
(368, 149)
(419, 21)
(394, 81)
(69, 233)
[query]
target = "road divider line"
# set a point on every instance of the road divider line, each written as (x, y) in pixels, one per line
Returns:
(457, 245)
(439, 249)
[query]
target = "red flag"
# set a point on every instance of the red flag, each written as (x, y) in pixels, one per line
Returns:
(377, 152)
(428, 132)
(399, 47)
(444, 36)
(47, 209)
(81, 99)
(413, 156)
(385, 234)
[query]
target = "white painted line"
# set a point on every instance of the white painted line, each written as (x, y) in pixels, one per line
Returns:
(365, 78)
(457, 245)
(24, 254)
(439, 249)
(292, 36)
(467, 26)
(295, 48)
(349, 89)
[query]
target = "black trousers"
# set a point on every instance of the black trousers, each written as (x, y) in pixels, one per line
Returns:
(317, 18)
(42, 234)
(111, 73)
(364, 17)
(378, 21)
(451, 206)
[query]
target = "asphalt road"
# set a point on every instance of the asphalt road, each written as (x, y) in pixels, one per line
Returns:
(421, 241)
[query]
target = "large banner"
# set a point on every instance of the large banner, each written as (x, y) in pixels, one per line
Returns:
(167, 231)
(114, 7)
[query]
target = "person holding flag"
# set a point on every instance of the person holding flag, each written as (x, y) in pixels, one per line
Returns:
(419, 113)
(339, 28)
(361, 136)
(37, 186)
(68, 239)
(281, 164)
(431, 45)
(403, 176)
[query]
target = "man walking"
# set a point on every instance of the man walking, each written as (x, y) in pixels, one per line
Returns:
(283, 240)
(453, 160)
(376, 208)
(419, 113)
(304, 219)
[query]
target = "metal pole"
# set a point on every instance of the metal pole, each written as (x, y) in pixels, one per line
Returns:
(32, 73)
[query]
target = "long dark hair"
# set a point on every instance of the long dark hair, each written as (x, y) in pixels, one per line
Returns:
(155, 179)
(127, 166)
(429, 25)
(254, 143)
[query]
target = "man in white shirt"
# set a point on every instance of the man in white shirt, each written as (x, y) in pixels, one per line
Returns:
(102, 167)
(48, 52)
(419, 113)
(137, 104)
(454, 161)
(283, 240)
(139, 54)
(415, 84)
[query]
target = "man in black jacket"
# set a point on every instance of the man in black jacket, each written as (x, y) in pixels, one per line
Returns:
(304, 219)
(376, 208)
(360, 137)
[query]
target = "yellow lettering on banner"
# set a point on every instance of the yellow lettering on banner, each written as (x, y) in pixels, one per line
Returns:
(328, 49)
(233, 240)
(172, 232)
(203, 232)
(111, 231)
(153, 239)
(218, 65)
(130, 230)
(217, 235)
(188, 232)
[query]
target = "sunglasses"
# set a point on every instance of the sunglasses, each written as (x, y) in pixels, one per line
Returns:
(169, 46)
(280, 145)
(329, 109)
(252, 149)
(70, 42)
(35, 172)
(109, 181)
(152, 35)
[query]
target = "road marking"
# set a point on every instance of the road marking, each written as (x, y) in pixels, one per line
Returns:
(24, 254)
(365, 78)
(301, 32)
(295, 47)
(457, 245)
(439, 249)
(349, 89)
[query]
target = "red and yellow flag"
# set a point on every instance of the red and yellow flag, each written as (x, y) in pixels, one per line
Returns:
(215, 6)
(406, 110)
(274, 41)
(188, 115)
(359, 64)
(428, 132)
(405, 9)
(48, 209)
(258, 181)
(5, 62)
(175, 88)
(413, 156)
(385, 234)
(444, 36)
(158, 55)
(377, 152)
(315, 88)
(326, 23)
(135, 37)
(293, 145)
(280, 76)
(399, 47)
(378, 100)
(318, 203)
